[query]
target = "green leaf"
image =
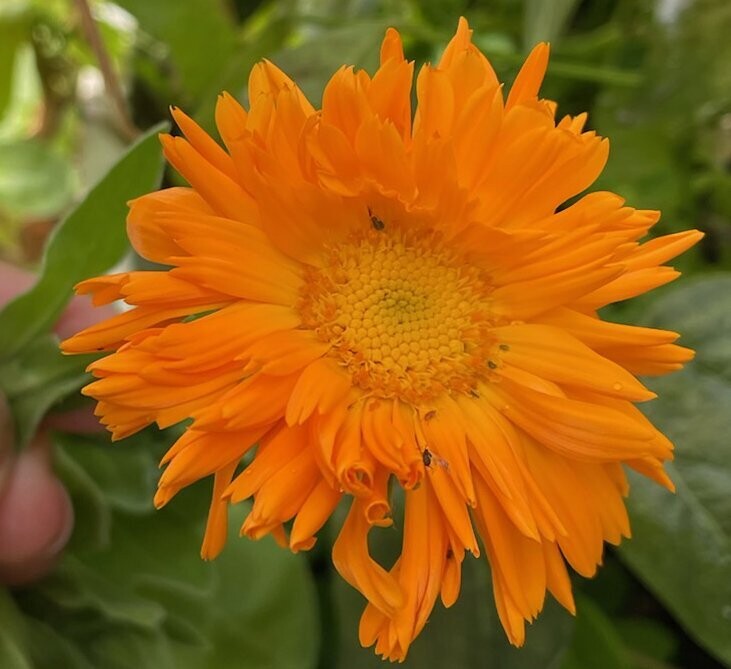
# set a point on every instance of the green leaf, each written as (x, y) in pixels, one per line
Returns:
(642, 167)
(595, 643)
(35, 180)
(100, 621)
(49, 649)
(255, 601)
(36, 378)
(613, 585)
(264, 607)
(125, 647)
(77, 587)
(147, 600)
(312, 63)
(125, 473)
(97, 623)
(545, 21)
(199, 33)
(441, 12)
(13, 653)
(647, 637)
(13, 31)
(161, 546)
(92, 514)
(90, 240)
(26, 96)
(688, 535)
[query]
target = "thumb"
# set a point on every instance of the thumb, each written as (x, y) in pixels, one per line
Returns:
(36, 517)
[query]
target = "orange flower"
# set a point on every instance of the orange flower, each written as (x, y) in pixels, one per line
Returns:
(363, 300)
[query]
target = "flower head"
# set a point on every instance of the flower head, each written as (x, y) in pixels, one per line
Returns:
(366, 301)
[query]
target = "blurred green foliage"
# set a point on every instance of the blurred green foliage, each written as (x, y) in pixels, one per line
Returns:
(655, 76)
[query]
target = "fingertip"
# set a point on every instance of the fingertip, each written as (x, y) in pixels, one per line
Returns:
(36, 518)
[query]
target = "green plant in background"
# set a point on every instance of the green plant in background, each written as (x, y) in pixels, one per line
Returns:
(131, 591)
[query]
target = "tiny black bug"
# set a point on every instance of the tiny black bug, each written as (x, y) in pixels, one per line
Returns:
(426, 457)
(377, 223)
(429, 458)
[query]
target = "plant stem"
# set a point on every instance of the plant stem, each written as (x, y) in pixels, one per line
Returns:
(111, 80)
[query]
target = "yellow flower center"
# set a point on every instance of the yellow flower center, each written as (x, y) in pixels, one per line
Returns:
(403, 314)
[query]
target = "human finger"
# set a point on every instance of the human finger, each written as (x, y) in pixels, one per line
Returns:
(36, 516)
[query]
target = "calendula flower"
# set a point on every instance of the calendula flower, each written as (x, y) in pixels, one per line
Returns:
(366, 301)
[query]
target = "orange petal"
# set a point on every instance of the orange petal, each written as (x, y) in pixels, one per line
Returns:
(354, 563)
(528, 82)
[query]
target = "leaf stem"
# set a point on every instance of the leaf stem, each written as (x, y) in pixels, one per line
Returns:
(111, 80)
